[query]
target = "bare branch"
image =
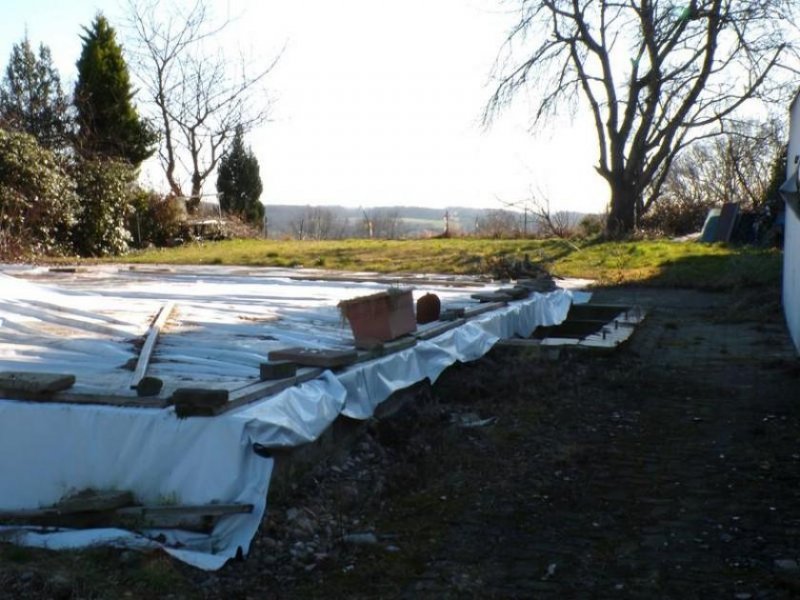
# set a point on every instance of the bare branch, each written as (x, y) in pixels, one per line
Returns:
(199, 98)
(656, 76)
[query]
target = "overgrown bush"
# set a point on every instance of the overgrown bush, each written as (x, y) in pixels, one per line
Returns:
(591, 226)
(156, 220)
(671, 216)
(38, 202)
(105, 188)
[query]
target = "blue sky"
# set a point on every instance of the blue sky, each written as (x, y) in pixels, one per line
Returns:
(375, 103)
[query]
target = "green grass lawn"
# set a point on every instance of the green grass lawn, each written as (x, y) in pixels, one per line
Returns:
(659, 262)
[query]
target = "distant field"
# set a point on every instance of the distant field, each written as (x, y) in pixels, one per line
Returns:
(666, 263)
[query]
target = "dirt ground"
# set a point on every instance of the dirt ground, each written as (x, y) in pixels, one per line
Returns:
(668, 469)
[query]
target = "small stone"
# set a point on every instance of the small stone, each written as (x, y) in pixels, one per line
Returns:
(292, 513)
(787, 564)
(360, 539)
(304, 524)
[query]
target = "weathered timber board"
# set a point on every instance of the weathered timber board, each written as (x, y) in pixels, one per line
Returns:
(257, 391)
(147, 349)
(483, 308)
(199, 518)
(31, 382)
(314, 357)
(491, 297)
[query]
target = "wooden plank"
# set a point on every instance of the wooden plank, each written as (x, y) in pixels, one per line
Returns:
(451, 314)
(519, 343)
(517, 292)
(199, 402)
(149, 344)
(68, 269)
(94, 500)
(189, 517)
(315, 357)
(187, 509)
(387, 348)
(31, 382)
(102, 399)
(436, 330)
(483, 308)
(277, 369)
(257, 391)
(199, 518)
(491, 297)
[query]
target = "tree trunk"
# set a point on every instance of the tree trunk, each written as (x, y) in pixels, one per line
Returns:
(193, 203)
(621, 218)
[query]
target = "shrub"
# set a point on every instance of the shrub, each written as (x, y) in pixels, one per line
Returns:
(105, 188)
(38, 203)
(156, 220)
(674, 217)
(591, 225)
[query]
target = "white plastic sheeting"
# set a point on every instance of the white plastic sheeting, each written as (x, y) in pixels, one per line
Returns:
(226, 324)
(370, 384)
(48, 452)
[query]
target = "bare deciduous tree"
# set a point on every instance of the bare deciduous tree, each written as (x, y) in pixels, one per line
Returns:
(656, 76)
(737, 167)
(317, 223)
(382, 224)
(553, 223)
(199, 96)
(498, 224)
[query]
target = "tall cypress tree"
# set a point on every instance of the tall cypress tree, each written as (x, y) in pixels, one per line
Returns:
(31, 98)
(239, 182)
(108, 124)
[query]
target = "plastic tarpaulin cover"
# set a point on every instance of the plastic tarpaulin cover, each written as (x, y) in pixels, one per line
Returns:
(225, 324)
(370, 384)
(67, 448)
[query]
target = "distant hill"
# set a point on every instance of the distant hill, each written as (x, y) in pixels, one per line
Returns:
(331, 222)
(409, 221)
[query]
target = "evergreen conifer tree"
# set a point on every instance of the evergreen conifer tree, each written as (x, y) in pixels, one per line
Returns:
(239, 182)
(109, 125)
(31, 98)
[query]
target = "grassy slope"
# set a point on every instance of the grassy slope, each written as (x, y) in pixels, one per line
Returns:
(680, 264)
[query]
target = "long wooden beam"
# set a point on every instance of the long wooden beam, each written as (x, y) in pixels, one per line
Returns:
(149, 344)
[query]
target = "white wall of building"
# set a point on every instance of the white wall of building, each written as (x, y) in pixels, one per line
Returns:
(791, 244)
